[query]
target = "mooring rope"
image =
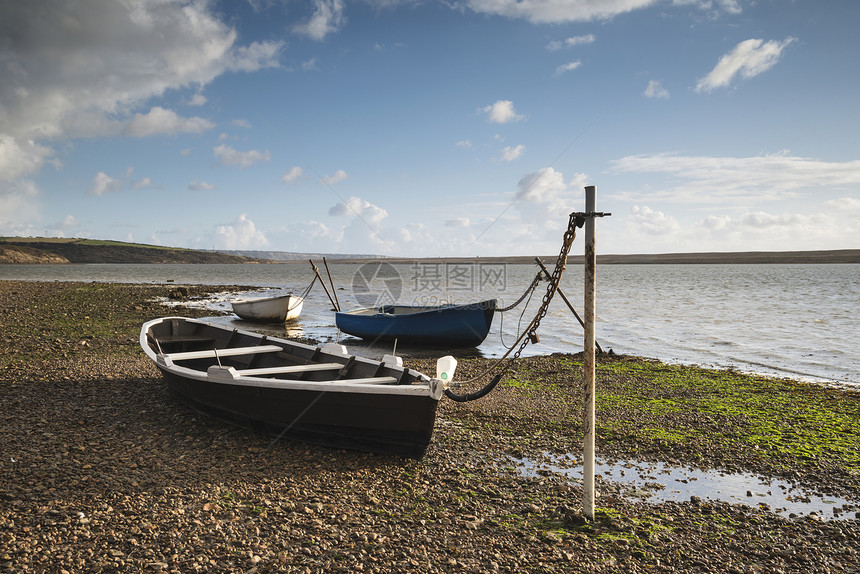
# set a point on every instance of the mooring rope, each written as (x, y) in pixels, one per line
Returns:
(304, 294)
(530, 334)
(527, 293)
(530, 293)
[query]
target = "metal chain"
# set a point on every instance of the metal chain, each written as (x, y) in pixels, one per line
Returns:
(528, 290)
(575, 221)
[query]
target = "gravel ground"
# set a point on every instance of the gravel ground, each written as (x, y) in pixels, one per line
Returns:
(101, 470)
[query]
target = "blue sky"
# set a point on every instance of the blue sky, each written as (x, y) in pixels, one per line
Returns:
(423, 128)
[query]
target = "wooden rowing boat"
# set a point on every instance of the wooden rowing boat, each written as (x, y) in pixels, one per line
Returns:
(268, 309)
(321, 395)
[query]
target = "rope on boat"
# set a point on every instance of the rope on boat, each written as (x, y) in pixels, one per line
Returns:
(304, 294)
(530, 334)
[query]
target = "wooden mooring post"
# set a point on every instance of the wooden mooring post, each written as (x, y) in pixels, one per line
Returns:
(589, 368)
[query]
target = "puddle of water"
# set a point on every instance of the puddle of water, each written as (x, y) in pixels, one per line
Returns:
(658, 482)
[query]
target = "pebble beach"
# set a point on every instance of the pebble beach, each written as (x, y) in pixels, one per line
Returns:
(102, 470)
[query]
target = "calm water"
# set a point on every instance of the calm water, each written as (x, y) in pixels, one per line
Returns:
(798, 321)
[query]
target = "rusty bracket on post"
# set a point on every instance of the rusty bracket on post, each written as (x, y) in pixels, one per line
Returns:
(581, 216)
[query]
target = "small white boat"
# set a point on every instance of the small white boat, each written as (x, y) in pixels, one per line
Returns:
(269, 309)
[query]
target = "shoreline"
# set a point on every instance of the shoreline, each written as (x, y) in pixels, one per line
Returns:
(104, 470)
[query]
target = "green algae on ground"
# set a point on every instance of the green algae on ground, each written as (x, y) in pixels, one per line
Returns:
(696, 416)
(781, 419)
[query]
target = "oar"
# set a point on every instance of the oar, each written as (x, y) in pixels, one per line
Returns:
(566, 300)
(333, 290)
(317, 271)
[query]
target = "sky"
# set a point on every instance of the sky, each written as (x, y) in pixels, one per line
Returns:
(432, 128)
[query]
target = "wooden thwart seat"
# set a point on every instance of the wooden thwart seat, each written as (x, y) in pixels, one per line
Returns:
(367, 381)
(286, 369)
(183, 339)
(232, 352)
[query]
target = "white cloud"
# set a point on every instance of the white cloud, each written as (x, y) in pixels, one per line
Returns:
(197, 99)
(241, 234)
(200, 186)
(327, 18)
(293, 175)
(543, 186)
(502, 112)
(511, 153)
(567, 67)
(355, 206)
(336, 177)
(363, 231)
(230, 156)
(768, 231)
(457, 222)
(103, 183)
(728, 6)
(653, 222)
(656, 90)
(160, 121)
(69, 222)
(18, 204)
(141, 183)
(18, 158)
(257, 55)
(749, 59)
(465, 144)
(742, 179)
(557, 11)
(82, 69)
(844, 204)
(556, 45)
(579, 181)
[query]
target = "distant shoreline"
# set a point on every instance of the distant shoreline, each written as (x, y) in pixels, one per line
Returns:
(750, 257)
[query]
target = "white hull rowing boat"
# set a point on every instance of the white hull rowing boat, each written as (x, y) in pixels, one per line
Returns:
(269, 309)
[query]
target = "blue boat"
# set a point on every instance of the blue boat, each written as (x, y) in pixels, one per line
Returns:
(438, 325)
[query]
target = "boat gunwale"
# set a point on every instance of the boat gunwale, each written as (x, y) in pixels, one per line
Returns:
(418, 309)
(422, 386)
(251, 300)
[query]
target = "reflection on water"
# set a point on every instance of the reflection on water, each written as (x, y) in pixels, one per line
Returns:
(660, 482)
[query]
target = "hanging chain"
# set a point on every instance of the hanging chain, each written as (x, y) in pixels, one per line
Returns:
(576, 220)
(527, 292)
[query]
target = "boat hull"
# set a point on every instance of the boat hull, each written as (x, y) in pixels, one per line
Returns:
(400, 425)
(316, 395)
(269, 309)
(445, 325)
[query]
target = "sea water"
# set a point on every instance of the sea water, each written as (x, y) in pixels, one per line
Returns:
(798, 321)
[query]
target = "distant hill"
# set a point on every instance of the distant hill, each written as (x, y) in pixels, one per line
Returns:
(22, 250)
(292, 256)
(62, 250)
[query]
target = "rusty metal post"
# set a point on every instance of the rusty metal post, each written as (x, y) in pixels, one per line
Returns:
(589, 358)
